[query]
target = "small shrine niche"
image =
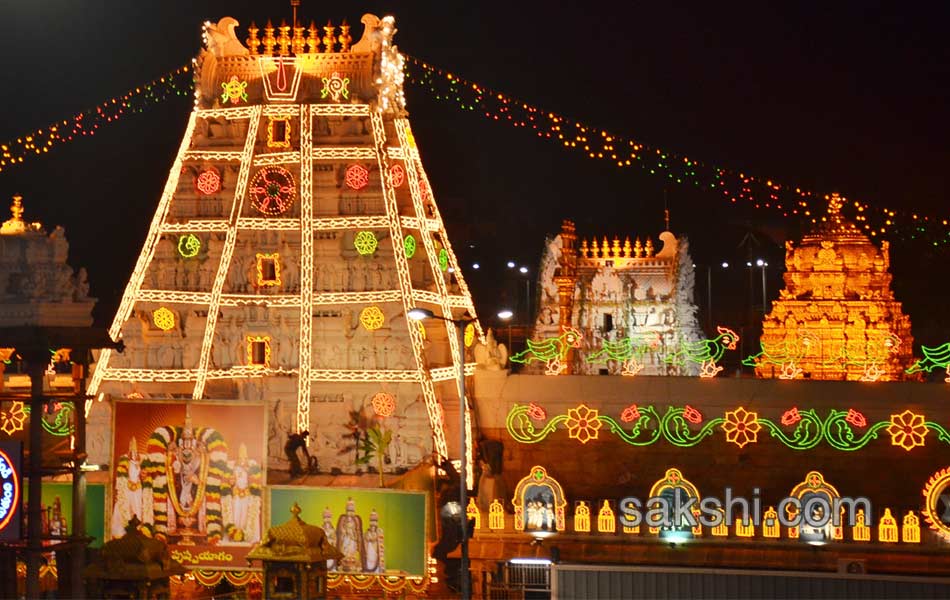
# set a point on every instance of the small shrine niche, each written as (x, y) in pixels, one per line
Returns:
(539, 504)
(295, 556)
(816, 497)
(674, 489)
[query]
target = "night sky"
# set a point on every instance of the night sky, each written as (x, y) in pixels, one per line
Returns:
(847, 96)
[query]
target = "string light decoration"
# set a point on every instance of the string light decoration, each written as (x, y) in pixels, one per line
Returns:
(935, 357)
(443, 260)
(164, 319)
(643, 425)
(268, 270)
(336, 87)
(356, 177)
(365, 243)
(469, 335)
(272, 190)
(397, 176)
(189, 246)
(706, 353)
(384, 405)
(733, 187)
(208, 182)
(372, 318)
(87, 123)
(409, 245)
(235, 90)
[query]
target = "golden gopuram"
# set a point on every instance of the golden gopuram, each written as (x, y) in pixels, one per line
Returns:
(837, 317)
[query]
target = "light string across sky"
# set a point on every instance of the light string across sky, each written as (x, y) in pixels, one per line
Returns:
(734, 187)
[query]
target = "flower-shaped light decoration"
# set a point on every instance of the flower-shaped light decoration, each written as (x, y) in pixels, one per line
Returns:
(791, 416)
(13, 418)
(907, 430)
(365, 243)
(443, 259)
(410, 245)
(189, 245)
(163, 318)
(208, 182)
(397, 176)
(855, 418)
(741, 427)
(356, 177)
(372, 318)
(692, 415)
(583, 424)
(629, 414)
(536, 412)
(272, 190)
(468, 335)
(384, 405)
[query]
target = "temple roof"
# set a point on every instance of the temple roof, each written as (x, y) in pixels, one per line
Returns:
(134, 556)
(295, 541)
(834, 226)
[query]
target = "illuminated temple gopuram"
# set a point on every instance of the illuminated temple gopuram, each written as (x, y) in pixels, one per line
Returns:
(837, 317)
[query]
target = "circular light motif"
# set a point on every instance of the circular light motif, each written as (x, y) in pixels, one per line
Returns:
(356, 177)
(397, 176)
(469, 335)
(163, 318)
(10, 480)
(208, 182)
(372, 318)
(365, 242)
(235, 90)
(410, 245)
(443, 259)
(189, 245)
(384, 404)
(273, 190)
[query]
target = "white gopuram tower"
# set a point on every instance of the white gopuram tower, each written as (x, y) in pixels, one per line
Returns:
(296, 229)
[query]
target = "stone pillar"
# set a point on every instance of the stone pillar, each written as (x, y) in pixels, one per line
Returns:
(36, 366)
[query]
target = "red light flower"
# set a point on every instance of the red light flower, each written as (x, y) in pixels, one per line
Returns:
(536, 412)
(791, 416)
(631, 413)
(856, 418)
(692, 415)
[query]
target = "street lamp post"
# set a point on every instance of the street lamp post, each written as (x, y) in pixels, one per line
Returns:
(505, 315)
(418, 314)
(761, 263)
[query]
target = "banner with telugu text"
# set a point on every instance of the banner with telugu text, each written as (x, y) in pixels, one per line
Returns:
(194, 478)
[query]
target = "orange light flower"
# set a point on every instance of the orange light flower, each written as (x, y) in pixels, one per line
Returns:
(631, 413)
(907, 430)
(583, 424)
(12, 419)
(741, 427)
(791, 416)
(536, 412)
(692, 415)
(856, 418)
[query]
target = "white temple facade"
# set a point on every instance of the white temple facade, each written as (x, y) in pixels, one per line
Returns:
(631, 304)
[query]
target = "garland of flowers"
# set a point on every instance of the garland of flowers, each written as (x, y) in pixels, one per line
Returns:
(845, 430)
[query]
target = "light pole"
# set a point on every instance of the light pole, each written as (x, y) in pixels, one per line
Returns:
(505, 315)
(418, 314)
(709, 315)
(761, 263)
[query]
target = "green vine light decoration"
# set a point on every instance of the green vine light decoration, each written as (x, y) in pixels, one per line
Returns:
(685, 427)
